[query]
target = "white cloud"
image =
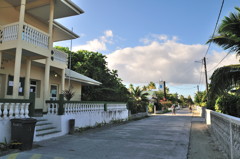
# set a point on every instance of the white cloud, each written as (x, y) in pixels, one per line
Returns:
(168, 60)
(98, 44)
(108, 33)
(156, 37)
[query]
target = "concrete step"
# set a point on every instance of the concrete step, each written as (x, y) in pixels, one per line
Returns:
(43, 125)
(48, 133)
(45, 130)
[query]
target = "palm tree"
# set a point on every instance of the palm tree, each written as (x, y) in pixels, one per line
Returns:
(224, 80)
(139, 98)
(151, 86)
(145, 88)
(229, 33)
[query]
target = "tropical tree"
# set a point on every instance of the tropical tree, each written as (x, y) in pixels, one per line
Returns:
(200, 98)
(151, 86)
(138, 99)
(189, 100)
(228, 36)
(173, 97)
(145, 88)
(94, 65)
(224, 81)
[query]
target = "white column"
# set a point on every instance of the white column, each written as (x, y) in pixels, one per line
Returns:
(46, 82)
(63, 79)
(17, 70)
(50, 27)
(18, 56)
(27, 79)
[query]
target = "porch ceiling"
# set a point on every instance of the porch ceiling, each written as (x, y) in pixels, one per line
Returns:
(40, 8)
(10, 54)
(61, 33)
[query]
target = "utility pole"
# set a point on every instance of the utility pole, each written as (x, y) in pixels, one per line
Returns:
(197, 88)
(205, 66)
(164, 89)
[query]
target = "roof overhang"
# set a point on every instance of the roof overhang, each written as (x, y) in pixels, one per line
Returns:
(41, 8)
(74, 76)
(61, 33)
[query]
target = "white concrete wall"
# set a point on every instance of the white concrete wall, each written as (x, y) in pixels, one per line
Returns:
(85, 119)
(5, 130)
(82, 119)
(208, 117)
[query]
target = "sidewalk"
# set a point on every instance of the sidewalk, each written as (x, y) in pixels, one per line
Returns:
(201, 143)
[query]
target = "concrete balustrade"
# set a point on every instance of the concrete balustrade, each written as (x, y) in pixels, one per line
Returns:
(84, 113)
(30, 34)
(79, 107)
(116, 106)
(226, 130)
(14, 110)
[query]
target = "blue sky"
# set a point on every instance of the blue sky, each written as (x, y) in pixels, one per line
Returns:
(152, 40)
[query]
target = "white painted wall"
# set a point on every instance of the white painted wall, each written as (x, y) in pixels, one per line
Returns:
(82, 119)
(5, 130)
(85, 119)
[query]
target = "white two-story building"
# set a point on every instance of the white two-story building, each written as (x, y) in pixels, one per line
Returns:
(29, 63)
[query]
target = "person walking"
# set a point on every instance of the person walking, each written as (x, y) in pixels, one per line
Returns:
(190, 108)
(173, 109)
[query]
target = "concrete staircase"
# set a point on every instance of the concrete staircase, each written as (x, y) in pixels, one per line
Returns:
(45, 130)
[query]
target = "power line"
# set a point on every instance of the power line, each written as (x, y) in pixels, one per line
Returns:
(201, 73)
(184, 88)
(219, 62)
(219, 14)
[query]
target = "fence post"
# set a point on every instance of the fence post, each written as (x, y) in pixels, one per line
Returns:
(32, 104)
(61, 104)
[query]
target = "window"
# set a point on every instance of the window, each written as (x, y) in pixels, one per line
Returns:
(53, 92)
(10, 86)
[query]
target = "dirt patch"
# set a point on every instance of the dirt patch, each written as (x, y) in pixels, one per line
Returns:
(202, 144)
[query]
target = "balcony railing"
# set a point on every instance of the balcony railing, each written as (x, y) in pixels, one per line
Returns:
(30, 34)
(60, 56)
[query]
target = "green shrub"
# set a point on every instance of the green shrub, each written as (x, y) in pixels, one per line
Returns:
(150, 108)
(166, 104)
(228, 104)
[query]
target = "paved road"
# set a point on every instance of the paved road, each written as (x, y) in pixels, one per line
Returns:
(160, 136)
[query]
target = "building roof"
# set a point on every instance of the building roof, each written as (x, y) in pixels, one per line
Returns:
(62, 33)
(80, 78)
(40, 8)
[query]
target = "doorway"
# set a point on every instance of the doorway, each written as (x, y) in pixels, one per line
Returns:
(53, 92)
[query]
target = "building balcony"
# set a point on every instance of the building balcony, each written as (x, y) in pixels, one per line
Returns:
(30, 34)
(33, 40)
